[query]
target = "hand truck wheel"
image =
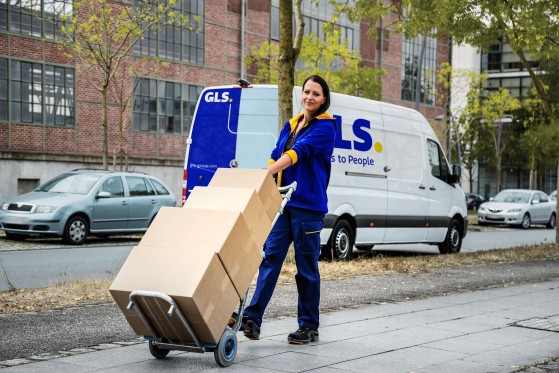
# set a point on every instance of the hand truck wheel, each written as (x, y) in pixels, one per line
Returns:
(159, 353)
(226, 349)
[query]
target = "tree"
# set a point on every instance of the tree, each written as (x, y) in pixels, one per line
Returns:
(100, 34)
(529, 26)
(289, 51)
(329, 58)
(494, 111)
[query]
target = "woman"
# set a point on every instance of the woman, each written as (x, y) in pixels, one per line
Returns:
(303, 153)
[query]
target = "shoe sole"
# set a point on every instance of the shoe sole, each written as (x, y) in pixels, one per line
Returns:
(297, 342)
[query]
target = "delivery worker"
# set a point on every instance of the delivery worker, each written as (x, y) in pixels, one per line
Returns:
(303, 154)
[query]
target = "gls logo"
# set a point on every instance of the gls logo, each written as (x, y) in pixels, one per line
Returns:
(363, 141)
(215, 96)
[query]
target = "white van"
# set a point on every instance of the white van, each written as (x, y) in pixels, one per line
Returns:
(390, 180)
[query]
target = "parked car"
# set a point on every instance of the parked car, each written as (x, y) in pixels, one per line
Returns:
(474, 200)
(82, 202)
(553, 196)
(519, 207)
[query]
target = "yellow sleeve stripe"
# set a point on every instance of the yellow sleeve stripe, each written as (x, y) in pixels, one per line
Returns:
(270, 161)
(313, 232)
(293, 156)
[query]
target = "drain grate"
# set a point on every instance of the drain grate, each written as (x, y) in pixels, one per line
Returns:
(550, 323)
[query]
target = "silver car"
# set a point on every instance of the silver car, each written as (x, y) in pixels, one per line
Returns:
(82, 202)
(519, 207)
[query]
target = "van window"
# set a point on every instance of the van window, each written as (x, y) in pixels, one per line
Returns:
(437, 161)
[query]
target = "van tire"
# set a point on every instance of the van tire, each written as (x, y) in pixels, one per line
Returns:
(453, 240)
(340, 244)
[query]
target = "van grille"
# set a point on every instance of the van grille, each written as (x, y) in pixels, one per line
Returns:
(19, 207)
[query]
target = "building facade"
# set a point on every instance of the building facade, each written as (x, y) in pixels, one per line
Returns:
(50, 112)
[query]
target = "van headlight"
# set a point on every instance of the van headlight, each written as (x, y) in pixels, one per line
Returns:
(45, 209)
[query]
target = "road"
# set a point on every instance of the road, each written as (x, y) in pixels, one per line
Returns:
(29, 265)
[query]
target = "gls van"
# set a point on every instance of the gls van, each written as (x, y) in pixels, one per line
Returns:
(390, 181)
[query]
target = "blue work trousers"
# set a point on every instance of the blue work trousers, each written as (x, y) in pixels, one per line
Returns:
(302, 227)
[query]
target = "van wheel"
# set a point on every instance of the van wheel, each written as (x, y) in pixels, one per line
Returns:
(75, 231)
(340, 244)
(453, 241)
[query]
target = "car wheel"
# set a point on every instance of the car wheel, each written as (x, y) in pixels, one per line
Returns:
(75, 231)
(453, 241)
(552, 222)
(340, 244)
(15, 236)
(526, 221)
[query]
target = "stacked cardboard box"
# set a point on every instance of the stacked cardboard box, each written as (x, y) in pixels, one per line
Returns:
(203, 255)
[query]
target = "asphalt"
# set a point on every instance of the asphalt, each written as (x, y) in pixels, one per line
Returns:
(504, 329)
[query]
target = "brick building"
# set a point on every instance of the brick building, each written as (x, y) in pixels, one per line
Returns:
(50, 115)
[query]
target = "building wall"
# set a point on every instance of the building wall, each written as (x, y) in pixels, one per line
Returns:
(39, 152)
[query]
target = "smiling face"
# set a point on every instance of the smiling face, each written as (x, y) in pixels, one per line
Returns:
(313, 97)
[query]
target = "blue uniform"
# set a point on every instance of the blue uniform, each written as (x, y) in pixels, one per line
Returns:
(302, 220)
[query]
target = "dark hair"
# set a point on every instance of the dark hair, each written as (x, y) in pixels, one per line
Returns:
(325, 91)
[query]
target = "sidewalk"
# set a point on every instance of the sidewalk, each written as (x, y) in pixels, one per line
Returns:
(499, 330)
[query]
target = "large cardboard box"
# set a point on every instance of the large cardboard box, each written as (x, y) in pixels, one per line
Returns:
(226, 233)
(195, 279)
(244, 200)
(259, 180)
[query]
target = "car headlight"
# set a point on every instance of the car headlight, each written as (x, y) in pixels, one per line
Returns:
(45, 209)
(4, 206)
(515, 210)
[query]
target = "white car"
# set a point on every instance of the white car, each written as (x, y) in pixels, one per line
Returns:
(519, 207)
(553, 195)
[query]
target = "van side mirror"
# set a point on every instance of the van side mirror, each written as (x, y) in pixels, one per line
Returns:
(456, 174)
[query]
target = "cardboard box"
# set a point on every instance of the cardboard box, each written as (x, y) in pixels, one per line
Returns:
(226, 233)
(259, 180)
(195, 279)
(244, 200)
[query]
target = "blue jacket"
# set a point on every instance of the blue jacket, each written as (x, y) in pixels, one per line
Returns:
(311, 155)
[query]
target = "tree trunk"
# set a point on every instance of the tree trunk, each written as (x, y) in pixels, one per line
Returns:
(289, 51)
(105, 129)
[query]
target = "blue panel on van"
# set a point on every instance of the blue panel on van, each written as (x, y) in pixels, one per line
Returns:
(214, 128)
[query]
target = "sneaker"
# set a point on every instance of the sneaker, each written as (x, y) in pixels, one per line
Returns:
(303, 336)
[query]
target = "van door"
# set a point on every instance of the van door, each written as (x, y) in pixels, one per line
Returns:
(358, 182)
(440, 193)
(408, 203)
(213, 137)
(257, 128)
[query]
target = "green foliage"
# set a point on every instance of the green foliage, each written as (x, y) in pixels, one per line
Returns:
(329, 58)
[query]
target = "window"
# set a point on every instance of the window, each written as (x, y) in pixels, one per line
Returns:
(159, 188)
(37, 93)
(411, 49)
(437, 161)
(314, 18)
(164, 107)
(501, 58)
(41, 18)
(175, 42)
(114, 186)
(385, 35)
(138, 186)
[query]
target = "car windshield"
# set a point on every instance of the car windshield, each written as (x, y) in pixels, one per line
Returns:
(70, 183)
(512, 197)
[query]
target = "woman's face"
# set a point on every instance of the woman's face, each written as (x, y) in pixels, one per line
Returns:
(313, 97)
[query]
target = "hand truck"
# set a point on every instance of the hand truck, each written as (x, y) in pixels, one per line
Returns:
(166, 322)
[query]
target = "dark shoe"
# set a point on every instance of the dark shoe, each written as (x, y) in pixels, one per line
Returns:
(250, 328)
(303, 336)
